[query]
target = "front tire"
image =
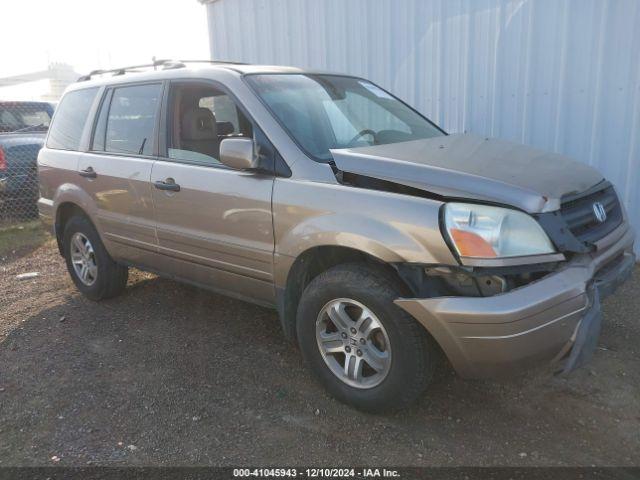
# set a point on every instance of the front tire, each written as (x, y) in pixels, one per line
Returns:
(92, 269)
(365, 350)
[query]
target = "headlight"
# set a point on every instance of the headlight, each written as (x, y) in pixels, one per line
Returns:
(482, 231)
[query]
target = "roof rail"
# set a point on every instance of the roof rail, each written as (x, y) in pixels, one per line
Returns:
(166, 64)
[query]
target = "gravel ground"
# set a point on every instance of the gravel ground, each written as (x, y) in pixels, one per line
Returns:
(170, 375)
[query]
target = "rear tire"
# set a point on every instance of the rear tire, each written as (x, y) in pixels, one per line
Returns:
(403, 354)
(92, 269)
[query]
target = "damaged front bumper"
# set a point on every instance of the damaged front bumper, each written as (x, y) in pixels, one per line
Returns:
(588, 331)
(554, 319)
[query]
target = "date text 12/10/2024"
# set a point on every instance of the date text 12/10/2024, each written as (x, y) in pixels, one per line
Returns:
(316, 472)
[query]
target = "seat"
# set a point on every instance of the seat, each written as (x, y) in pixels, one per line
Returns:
(199, 133)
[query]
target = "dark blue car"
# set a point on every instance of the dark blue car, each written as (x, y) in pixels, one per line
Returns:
(23, 128)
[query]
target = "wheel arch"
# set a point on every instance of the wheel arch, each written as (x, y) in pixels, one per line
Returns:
(64, 212)
(70, 199)
(311, 263)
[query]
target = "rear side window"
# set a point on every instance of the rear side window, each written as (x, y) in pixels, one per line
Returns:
(70, 119)
(130, 120)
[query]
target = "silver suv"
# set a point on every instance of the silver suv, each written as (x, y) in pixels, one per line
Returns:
(384, 243)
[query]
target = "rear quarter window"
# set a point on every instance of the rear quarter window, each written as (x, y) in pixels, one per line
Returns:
(70, 118)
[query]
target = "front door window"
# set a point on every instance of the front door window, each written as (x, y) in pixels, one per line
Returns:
(201, 118)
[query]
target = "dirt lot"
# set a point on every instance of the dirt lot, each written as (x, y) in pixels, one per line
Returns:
(168, 374)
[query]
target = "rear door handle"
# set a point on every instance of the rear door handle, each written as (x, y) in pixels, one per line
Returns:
(88, 172)
(167, 184)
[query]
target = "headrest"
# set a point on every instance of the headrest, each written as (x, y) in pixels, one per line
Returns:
(198, 124)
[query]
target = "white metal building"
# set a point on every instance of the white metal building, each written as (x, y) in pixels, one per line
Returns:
(562, 75)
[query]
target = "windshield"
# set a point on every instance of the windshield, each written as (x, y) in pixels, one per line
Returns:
(24, 116)
(322, 112)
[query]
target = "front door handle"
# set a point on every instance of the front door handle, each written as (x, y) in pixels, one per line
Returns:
(88, 172)
(167, 184)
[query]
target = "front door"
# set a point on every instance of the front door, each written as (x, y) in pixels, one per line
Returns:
(213, 223)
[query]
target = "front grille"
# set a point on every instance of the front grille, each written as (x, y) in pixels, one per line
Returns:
(578, 213)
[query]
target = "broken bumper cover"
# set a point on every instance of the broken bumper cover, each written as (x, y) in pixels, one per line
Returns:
(555, 318)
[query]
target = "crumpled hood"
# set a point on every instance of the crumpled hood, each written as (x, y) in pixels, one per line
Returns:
(473, 167)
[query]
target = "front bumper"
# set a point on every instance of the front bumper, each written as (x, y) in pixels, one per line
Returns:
(555, 318)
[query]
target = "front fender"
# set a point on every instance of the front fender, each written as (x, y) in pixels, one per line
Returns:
(398, 241)
(367, 235)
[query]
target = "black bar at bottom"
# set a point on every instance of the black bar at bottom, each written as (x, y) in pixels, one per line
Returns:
(435, 473)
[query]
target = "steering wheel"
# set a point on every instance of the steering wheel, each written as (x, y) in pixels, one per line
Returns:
(362, 133)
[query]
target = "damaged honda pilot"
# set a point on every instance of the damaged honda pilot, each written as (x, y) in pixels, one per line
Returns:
(383, 243)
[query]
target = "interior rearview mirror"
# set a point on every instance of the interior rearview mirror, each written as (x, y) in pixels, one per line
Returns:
(238, 153)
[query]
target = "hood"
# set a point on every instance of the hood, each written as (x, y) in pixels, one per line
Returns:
(473, 167)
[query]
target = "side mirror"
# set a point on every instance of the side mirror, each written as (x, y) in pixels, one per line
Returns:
(238, 153)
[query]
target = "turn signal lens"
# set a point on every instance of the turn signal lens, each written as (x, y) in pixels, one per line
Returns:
(471, 245)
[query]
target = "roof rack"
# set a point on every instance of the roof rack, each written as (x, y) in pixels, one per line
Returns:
(166, 64)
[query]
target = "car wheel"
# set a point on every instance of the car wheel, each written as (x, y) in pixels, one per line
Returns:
(365, 350)
(94, 272)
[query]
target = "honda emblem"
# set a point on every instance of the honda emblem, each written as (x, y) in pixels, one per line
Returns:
(599, 212)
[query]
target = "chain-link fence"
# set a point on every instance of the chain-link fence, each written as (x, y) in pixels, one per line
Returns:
(23, 127)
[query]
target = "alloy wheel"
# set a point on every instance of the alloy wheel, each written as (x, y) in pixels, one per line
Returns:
(353, 343)
(83, 259)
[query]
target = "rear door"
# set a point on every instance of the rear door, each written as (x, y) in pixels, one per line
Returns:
(117, 169)
(214, 223)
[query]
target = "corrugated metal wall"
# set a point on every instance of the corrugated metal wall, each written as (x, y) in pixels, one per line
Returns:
(563, 75)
